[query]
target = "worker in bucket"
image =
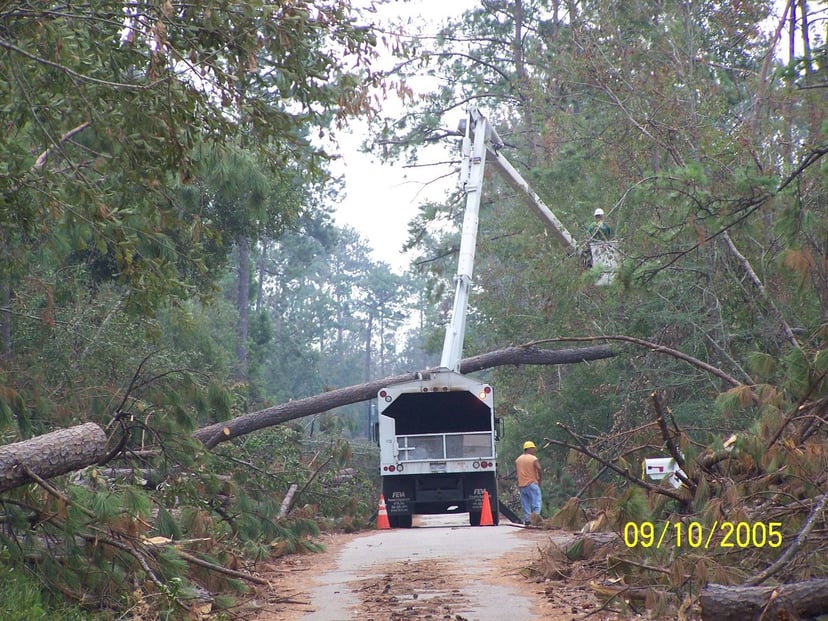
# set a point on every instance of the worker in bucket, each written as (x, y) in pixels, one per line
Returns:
(599, 230)
(529, 480)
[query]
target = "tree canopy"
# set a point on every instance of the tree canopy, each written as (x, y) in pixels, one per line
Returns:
(168, 262)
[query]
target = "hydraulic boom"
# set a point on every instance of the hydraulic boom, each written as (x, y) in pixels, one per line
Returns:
(479, 141)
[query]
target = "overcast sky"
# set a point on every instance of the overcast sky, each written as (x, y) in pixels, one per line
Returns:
(381, 199)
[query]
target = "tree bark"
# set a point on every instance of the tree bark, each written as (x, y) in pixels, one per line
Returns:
(5, 304)
(212, 435)
(243, 307)
(744, 603)
(287, 501)
(52, 454)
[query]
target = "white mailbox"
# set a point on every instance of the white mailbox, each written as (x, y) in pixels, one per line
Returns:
(658, 468)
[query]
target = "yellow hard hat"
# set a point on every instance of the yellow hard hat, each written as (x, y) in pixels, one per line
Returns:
(528, 444)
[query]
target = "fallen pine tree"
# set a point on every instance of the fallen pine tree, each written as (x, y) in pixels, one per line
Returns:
(67, 450)
(103, 516)
(798, 600)
(212, 435)
(52, 454)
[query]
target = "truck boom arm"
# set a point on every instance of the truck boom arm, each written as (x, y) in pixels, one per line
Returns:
(480, 139)
(520, 185)
(471, 175)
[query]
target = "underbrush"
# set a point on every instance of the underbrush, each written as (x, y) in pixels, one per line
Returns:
(23, 598)
(180, 537)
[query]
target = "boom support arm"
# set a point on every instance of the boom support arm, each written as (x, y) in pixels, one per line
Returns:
(479, 140)
(520, 185)
(471, 176)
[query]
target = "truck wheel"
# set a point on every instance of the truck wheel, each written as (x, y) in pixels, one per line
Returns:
(400, 521)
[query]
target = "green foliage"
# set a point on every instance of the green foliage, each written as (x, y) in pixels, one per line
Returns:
(228, 505)
(136, 502)
(104, 506)
(797, 372)
(165, 525)
(119, 214)
(219, 401)
(24, 598)
(631, 506)
(158, 395)
(764, 365)
(134, 125)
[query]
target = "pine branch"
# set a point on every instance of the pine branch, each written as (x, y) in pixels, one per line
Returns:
(220, 568)
(583, 448)
(655, 347)
(816, 513)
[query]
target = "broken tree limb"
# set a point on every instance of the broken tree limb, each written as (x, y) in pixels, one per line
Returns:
(784, 328)
(665, 432)
(51, 454)
(287, 501)
(312, 477)
(624, 472)
(750, 603)
(655, 347)
(671, 446)
(220, 568)
(40, 162)
(801, 538)
(212, 435)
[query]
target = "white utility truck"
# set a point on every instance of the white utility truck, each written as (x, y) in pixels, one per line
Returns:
(437, 434)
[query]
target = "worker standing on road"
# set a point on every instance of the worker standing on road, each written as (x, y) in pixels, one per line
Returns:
(529, 480)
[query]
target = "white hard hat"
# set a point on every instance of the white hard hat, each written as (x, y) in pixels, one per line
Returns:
(598, 212)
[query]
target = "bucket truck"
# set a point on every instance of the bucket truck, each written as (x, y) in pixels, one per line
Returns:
(438, 433)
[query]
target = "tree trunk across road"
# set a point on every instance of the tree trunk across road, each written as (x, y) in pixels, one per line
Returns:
(212, 435)
(71, 449)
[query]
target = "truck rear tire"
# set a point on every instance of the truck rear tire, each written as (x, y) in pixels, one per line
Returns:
(400, 521)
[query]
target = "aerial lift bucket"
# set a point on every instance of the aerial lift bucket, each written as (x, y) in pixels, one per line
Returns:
(605, 258)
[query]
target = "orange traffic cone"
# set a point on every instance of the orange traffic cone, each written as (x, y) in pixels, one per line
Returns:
(382, 515)
(486, 511)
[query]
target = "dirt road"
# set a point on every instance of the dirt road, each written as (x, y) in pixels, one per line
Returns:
(440, 569)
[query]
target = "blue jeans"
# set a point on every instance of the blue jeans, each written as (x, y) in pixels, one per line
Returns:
(530, 500)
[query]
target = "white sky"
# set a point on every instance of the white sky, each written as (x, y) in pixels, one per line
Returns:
(382, 198)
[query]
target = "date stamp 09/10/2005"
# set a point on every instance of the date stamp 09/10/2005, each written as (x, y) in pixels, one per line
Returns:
(697, 535)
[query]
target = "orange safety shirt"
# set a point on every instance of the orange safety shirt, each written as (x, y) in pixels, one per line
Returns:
(527, 467)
